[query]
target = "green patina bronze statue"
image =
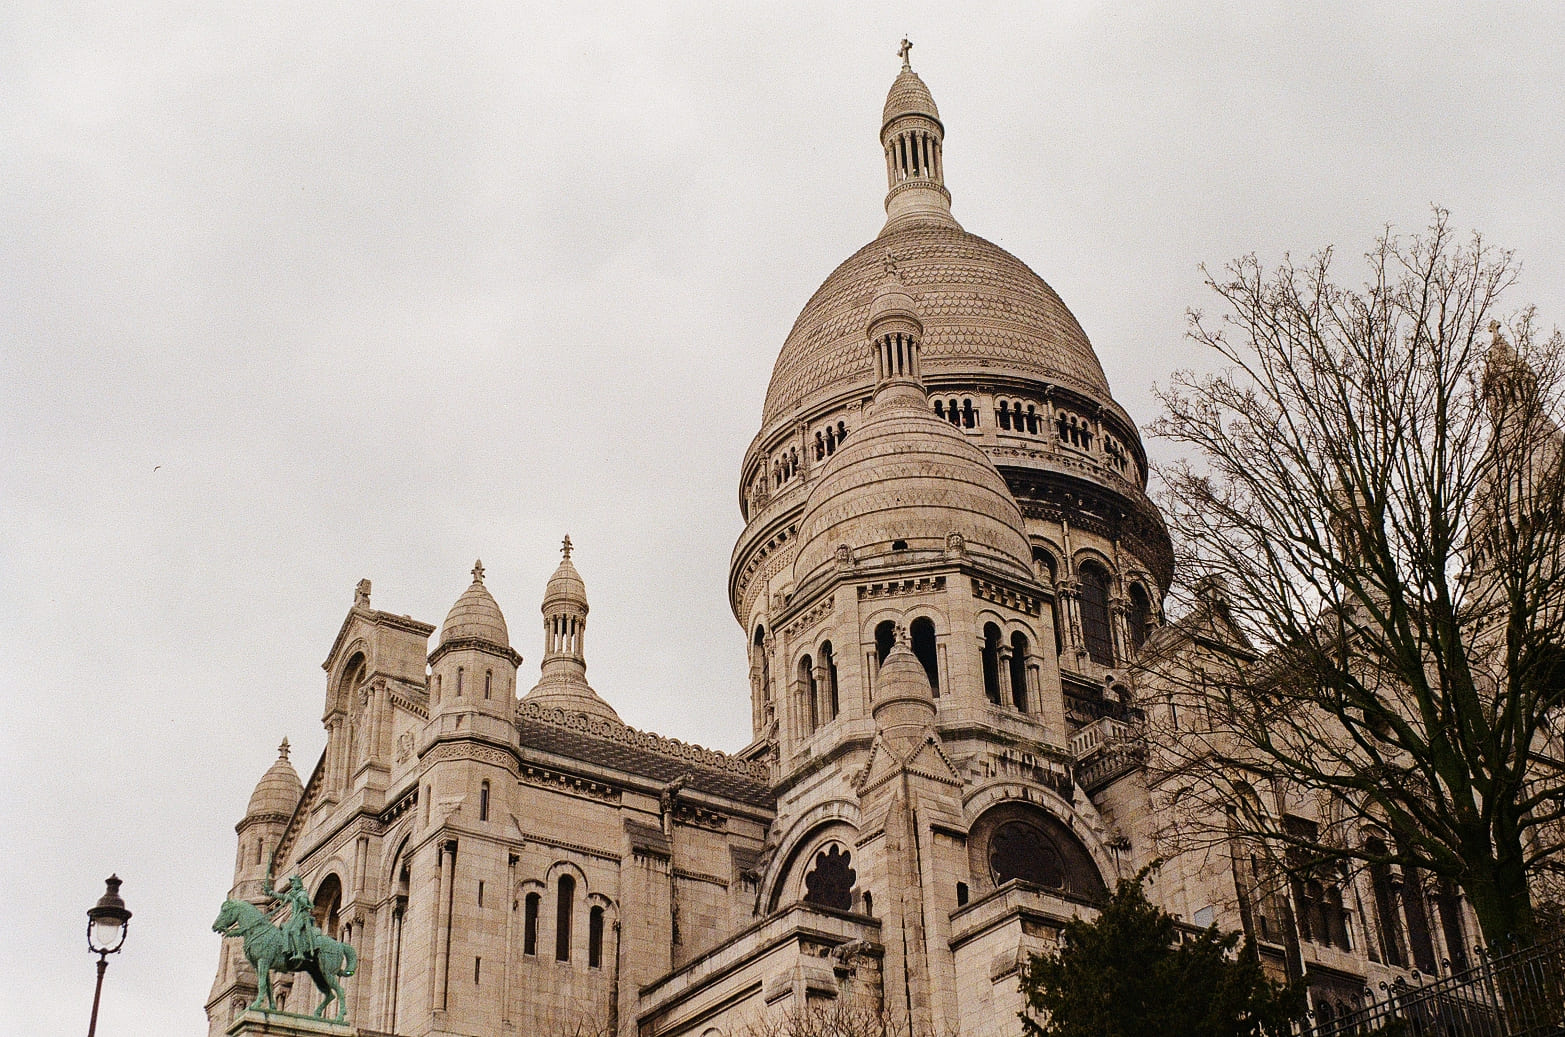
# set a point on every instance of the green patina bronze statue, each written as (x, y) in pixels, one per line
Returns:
(299, 946)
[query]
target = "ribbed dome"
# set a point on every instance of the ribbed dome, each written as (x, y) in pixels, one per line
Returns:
(981, 307)
(476, 615)
(565, 586)
(279, 789)
(909, 96)
(907, 477)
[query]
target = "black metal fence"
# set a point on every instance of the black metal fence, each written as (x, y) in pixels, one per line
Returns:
(1517, 993)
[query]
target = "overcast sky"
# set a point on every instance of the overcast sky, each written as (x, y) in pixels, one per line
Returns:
(299, 294)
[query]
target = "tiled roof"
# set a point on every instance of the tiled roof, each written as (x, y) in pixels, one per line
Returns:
(607, 743)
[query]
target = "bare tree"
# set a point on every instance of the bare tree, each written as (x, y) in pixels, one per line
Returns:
(1372, 506)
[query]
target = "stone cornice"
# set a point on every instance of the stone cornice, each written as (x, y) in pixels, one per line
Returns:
(477, 644)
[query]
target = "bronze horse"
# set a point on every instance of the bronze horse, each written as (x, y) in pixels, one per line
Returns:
(267, 950)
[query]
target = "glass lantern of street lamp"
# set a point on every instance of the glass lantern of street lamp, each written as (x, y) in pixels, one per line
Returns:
(107, 920)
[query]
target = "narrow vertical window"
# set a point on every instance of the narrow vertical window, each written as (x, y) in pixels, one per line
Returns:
(1019, 671)
(488, 682)
(530, 924)
(808, 689)
(562, 918)
(459, 682)
(595, 938)
(478, 964)
(483, 802)
(480, 892)
(1095, 614)
(1140, 616)
(991, 660)
(922, 634)
(829, 703)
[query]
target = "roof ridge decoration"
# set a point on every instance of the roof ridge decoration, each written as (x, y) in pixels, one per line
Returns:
(616, 731)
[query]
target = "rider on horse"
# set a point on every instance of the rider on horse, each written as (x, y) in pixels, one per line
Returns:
(300, 930)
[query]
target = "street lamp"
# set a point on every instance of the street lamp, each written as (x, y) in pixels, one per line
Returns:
(107, 921)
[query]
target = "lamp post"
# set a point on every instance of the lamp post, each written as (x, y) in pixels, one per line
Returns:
(107, 921)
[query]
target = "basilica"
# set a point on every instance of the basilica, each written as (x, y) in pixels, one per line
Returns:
(948, 569)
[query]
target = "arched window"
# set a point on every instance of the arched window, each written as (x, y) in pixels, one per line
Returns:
(922, 634)
(829, 703)
(562, 918)
(530, 923)
(807, 686)
(1004, 415)
(969, 416)
(488, 682)
(328, 905)
(992, 662)
(483, 802)
(595, 938)
(1140, 616)
(1095, 614)
(1385, 904)
(885, 637)
(766, 667)
(459, 682)
(820, 447)
(1019, 670)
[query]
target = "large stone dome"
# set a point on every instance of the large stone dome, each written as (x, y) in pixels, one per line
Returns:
(899, 488)
(982, 309)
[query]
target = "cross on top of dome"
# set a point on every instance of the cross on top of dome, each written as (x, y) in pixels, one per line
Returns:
(904, 50)
(565, 546)
(478, 571)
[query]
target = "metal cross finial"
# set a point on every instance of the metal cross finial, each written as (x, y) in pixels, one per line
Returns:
(565, 546)
(478, 571)
(902, 52)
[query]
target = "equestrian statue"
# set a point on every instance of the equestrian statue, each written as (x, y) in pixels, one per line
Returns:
(298, 946)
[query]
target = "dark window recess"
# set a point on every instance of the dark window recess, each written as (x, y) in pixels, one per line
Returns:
(595, 938)
(562, 919)
(961, 894)
(885, 637)
(991, 661)
(530, 925)
(1095, 615)
(1018, 850)
(923, 636)
(830, 882)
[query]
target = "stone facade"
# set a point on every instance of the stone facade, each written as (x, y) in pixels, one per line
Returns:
(948, 567)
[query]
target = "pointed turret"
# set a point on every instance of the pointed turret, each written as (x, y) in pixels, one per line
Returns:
(913, 139)
(562, 683)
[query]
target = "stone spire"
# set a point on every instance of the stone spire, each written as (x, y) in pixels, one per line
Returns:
(562, 682)
(913, 139)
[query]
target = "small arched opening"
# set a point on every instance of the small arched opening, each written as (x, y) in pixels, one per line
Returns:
(991, 661)
(922, 634)
(1019, 671)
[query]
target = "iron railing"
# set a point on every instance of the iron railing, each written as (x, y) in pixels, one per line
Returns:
(1517, 992)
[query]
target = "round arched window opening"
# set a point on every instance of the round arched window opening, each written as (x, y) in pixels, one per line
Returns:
(1019, 850)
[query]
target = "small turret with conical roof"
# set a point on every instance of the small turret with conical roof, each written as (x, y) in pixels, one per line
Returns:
(562, 682)
(272, 804)
(914, 140)
(473, 667)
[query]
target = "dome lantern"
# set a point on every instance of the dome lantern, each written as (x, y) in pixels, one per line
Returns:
(913, 139)
(562, 681)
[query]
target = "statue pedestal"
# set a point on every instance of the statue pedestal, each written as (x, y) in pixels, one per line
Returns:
(256, 1023)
